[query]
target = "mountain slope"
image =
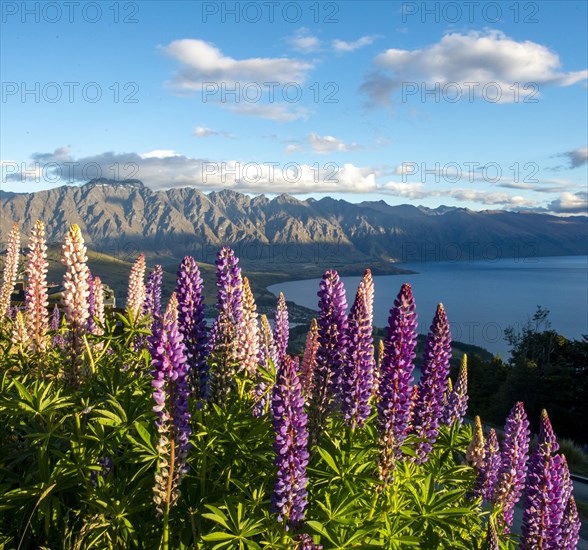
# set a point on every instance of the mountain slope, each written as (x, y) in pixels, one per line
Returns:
(124, 218)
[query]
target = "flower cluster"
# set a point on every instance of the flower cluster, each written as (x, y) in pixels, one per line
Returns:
(432, 385)
(513, 462)
(75, 297)
(171, 392)
(152, 303)
(249, 335)
(36, 299)
(309, 358)
(281, 329)
(457, 399)
(330, 355)
(10, 270)
(396, 379)
(547, 493)
(192, 323)
(359, 362)
(291, 446)
(136, 289)
(224, 336)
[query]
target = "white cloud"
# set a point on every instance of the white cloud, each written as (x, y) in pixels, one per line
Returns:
(304, 41)
(329, 144)
(163, 169)
(280, 112)
(471, 61)
(159, 154)
(342, 46)
(570, 203)
(253, 86)
(416, 190)
(293, 148)
(204, 131)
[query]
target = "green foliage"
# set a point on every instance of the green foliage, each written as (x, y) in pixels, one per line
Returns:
(55, 491)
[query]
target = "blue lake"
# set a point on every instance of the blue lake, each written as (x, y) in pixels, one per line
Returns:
(481, 298)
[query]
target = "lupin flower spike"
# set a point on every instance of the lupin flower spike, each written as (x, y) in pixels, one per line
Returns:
(36, 297)
(152, 303)
(136, 289)
(248, 352)
(10, 270)
(171, 393)
(513, 463)
(476, 451)
(190, 310)
(432, 385)
(309, 358)
(98, 305)
(224, 336)
(281, 329)
(328, 372)
(545, 492)
(359, 364)
(488, 472)
(75, 297)
(457, 400)
(289, 498)
(396, 380)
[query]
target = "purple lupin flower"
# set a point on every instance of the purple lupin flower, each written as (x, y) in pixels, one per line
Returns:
(513, 463)
(570, 526)
(291, 446)
(309, 358)
(359, 362)
(304, 542)
(152, 303)
(432, 385)
(192, 323)
(396, 379)
(57, 341)
(224, 336)
(457, 400)
(545, 492)
(488, 472)
(171, 392)
(281, 329)
(332, 328)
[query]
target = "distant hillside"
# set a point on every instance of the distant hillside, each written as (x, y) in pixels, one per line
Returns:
(284, 234)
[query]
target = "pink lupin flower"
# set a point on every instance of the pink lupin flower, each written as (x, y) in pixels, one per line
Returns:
(476, 451)
(36, 300)
(20, 335)
(10, 270)
(75, 294)
(309, 358)
(171, 310)
(136, 289)
(248, 336)
(98, 305)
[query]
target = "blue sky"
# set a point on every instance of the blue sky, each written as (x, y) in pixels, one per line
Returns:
(479, 104)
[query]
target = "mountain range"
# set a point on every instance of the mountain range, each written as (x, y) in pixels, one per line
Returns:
(125, 218)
